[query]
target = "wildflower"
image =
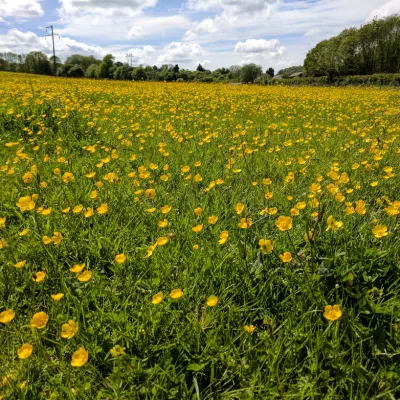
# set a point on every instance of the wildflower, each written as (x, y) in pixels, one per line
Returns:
(46, 240)
(157, 298)
(239, 208)
(165, 209)
(162, 241)
(117, 351)
(196, 246)
(69, 330)
(265, 245)
(245, 223)
(2, 222)
(57, 238)
(85, 276)
(150, 193)
(197, 228)
(120, 258)
(163, 223)
(39, 320)
(57, 296)
(286, 257)
(294, 212)
(20, 264)
(332, 313)
(198, 211)
(212, 301)
(77, 268)
(284, 223)
(151, 210)
(176, 294)
(25, 351)
(80, 357)
(28, 177)
(93, 194)
(103, 209)
(89, 212)
(68, 177)
(150, 250)
(333, 225)
(7, 316)
(249, 328)
(77, 209)
(223, 237)
(380, 231)
(212, 219)
(39, 277)
(360, 208)
(198, 178)
(66, 210)
(26, 203)
(90, 175)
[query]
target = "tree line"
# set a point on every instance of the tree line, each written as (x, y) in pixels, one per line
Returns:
(79, 66)
(374, 48)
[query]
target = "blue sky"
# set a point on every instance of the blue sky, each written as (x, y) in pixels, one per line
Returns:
(215, 33)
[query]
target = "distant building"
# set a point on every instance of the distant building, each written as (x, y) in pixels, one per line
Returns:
(296, 75)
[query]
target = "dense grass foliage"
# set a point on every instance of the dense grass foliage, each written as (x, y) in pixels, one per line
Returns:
(252, 209)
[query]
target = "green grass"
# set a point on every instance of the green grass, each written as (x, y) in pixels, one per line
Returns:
(184, 349)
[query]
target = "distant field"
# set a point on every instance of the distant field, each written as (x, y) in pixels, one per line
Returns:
(185, 241)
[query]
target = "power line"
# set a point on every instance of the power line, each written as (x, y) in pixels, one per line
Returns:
(129, 55)
(54, 49)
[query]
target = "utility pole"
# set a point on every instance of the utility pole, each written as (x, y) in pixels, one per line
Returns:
(54, 49)
(129, 55)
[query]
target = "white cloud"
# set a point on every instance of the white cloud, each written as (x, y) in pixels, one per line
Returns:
(206, 26)
(389, 8)
(177, 52)
(143, 55)
(154, 26)
(24, 42)
(267, 47)
(111, 8)
(20, 8)
(236, 7)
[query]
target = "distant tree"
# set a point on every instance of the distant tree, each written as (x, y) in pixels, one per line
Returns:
(92, 72)
(176, 68)
(83, 61)
(270, 72)
(57, 62)
(123, 73)
(76, 72)
(200, 68)
(139, 74)
(37, 63)
(250, 72)
(106, 67)
(291, 70)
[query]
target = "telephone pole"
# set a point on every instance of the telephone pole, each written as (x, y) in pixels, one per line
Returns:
(54, 49)
(129, 55)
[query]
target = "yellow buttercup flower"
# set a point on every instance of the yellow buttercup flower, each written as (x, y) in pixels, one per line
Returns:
(25, 351)
(77, 268)
(85, 276)
(165, 209)
(333, 225)
(157, 298)
(212, 219)
(20, 264)
(265, 245)
(333, 313)
(380, 231)
(239, 208)
(286, 257)
(249, 328)
(80, 357)
(197, 228)
(284, 223)
(39, 320)
(57, 296)
(176, 294)
(7, 316)
(245, 223)
(212, 301)
(103, 209)
(162, 241)
(39, 276)
(69, 330)
(68, 177)
(120, 258)
(198, 211)
(163, 223)
(223, 237)
(26, 203)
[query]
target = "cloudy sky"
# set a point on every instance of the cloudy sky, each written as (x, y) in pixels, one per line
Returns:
(215, 33)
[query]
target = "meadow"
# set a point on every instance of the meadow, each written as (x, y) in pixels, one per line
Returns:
(195, 241)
